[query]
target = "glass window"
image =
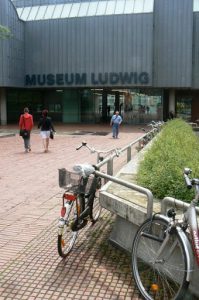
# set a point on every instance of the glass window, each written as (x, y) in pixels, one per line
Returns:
(196, 5)
(119, 9)
(41, 12)
(92, 9)
(49, 12)
(58, 108)
(138, 7)
(33, 13)
(83, 9)
(66, 10)
(19, 11)
(57, 11)
(74, 10)
(110, 8)
(25, 13)
(101, 8)
(129, 6)
(148, 5)
(140, 106)
(183, 108)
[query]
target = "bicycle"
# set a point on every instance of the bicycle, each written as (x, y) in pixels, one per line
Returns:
(80, 200)
(155, 127)
(162, 255)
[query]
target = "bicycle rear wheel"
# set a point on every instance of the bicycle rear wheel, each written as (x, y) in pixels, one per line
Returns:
(96, 206)
(160, 277)
(67, 237)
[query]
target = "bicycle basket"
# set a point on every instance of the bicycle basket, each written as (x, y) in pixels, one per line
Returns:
(73, 181)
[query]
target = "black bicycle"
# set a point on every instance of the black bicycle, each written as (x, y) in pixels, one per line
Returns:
(80, 201)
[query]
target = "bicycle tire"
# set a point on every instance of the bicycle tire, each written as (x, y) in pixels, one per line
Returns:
(165, 279)
(96, 206)
(67, 237)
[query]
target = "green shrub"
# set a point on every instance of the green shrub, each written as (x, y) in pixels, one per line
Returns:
(161, 170)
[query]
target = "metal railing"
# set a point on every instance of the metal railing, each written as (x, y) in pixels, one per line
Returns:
(168, 202)
(109, 159)
(109, 176)
(134, 187)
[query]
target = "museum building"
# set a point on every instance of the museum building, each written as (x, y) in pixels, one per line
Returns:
(84, 59)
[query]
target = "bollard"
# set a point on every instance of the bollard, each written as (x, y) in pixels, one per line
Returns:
(128, 154)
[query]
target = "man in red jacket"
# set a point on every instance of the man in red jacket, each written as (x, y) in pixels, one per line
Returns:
(26, 122)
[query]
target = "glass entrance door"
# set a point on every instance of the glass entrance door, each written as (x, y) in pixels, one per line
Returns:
(183, 108)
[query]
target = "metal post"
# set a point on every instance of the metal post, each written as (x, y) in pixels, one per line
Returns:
(128, 153)
(110, 167)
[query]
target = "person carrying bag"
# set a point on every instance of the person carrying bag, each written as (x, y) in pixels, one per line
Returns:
(26, 124)
(46, 129)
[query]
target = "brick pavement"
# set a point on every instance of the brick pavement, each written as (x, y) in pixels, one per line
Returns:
(30, 203)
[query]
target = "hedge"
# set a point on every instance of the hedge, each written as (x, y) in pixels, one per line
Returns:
(161, 170)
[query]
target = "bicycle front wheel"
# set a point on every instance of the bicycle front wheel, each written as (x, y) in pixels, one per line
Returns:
(159, 274)
(67, 237)
(96, 208)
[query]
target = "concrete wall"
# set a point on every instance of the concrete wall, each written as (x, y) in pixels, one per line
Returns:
(102, 44)
(164, 44)
(195, 83)
(173, 42)
(12, 49)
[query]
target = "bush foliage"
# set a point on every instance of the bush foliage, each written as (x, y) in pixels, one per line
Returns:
(161, 170)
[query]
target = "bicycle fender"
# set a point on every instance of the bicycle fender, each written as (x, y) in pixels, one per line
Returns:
(187, 247)
(188, 253)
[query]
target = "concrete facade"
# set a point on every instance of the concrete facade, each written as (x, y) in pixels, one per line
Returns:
(144, 50)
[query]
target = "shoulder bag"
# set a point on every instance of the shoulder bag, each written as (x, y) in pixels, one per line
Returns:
(51, 134)
(24, 133)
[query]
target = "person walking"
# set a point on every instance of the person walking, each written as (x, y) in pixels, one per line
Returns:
(26, 123)
(116, 120)
(45, 123)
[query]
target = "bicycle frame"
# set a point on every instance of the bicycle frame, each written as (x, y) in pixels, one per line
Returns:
(190, 217)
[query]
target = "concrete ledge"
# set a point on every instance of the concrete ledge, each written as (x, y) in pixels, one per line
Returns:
(123, 208)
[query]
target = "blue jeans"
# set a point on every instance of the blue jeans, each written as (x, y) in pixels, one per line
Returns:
(115, 129)
(27, 143)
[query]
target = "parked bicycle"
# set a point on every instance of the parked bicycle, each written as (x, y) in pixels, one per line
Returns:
(162, 256)
(80, 201)
(155, 127)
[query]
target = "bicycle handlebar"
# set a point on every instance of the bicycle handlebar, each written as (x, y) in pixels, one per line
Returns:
(187, 181)
(93, 150)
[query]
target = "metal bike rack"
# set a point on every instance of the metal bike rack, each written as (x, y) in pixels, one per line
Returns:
(109, 159)
(134, 187)
(172, 202)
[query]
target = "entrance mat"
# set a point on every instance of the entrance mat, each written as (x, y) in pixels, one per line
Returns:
(81, 132)
(100, 133)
